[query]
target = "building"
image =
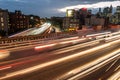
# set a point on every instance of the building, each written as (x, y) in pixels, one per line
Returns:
(107, 11)
(57, 21)
(118, 9)
(88, 22)
(97, 21)
(13, 22)
(4, 22)
(74, 24)
(70, 23)
(75, 18)
(84, 12)
(115, 19)
(34, 21)
(70, 13)
(84, 17)
(17, 21)
(117, 15)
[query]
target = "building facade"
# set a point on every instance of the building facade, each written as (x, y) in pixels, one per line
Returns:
(4, 22)
(70, 23)
(18, 21)
(115, 18)
(34, 21)
(75, 18)
(70, 13)
(117, 15)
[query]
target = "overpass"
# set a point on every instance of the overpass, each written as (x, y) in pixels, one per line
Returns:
(33, 31)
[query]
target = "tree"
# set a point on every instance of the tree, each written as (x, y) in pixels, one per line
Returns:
(2, 33)
(57, 21)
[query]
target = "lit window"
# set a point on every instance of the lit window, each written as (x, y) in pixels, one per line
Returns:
(2, 19)
(31, 17)
(2, 24)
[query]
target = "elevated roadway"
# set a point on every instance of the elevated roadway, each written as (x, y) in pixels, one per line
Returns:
(33, 31)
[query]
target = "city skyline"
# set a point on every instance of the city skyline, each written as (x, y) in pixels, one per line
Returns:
(48, 8)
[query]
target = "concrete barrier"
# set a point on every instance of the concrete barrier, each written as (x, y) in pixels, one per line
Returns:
(46, 36)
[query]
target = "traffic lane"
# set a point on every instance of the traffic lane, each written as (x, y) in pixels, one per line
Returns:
(112, 69)
(60, 70)
(29, 51)
(51, 72)
(81, 40)
(52, 55)
(63, 51)
(60, 44)
(115, 76)
(40, 29)
(77, 46)
(96, 48)
(19, 54)
(26, 43)
(88, 42)
(103, 73)
(42, 58)
(4, 54)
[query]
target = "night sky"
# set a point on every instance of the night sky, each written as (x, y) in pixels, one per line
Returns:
(48, 8)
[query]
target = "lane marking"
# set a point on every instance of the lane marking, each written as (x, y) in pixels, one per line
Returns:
(111, 65)
(117, 68)
(40, 66)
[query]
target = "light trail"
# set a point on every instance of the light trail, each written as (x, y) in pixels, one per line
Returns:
(62, 43)
(115, 76)
(37, 67)
(4, 54)
(93, 66)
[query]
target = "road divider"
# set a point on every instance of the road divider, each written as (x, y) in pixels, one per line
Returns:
(59, 45)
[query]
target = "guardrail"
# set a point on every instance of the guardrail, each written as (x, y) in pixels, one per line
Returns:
(36, 37)
(45, 37)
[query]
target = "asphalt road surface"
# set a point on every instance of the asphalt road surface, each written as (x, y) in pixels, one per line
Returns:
(41, 69)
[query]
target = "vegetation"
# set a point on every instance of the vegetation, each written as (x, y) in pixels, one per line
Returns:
(2, 33)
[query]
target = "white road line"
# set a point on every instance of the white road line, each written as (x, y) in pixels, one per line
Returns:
(111, 65)
(117, 68)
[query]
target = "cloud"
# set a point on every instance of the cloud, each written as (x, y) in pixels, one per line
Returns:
(94, 5)
(12, 0)
(48, 8)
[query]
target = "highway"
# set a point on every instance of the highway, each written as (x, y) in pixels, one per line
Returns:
(52, 69)
(33, 31)
(16, 50)
(37, 49)
(113, 71)
(105, 72)
(64, 63)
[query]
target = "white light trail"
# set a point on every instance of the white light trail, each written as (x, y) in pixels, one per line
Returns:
(4, 54)
(96, 65)
(115, 76)
(40, 66)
